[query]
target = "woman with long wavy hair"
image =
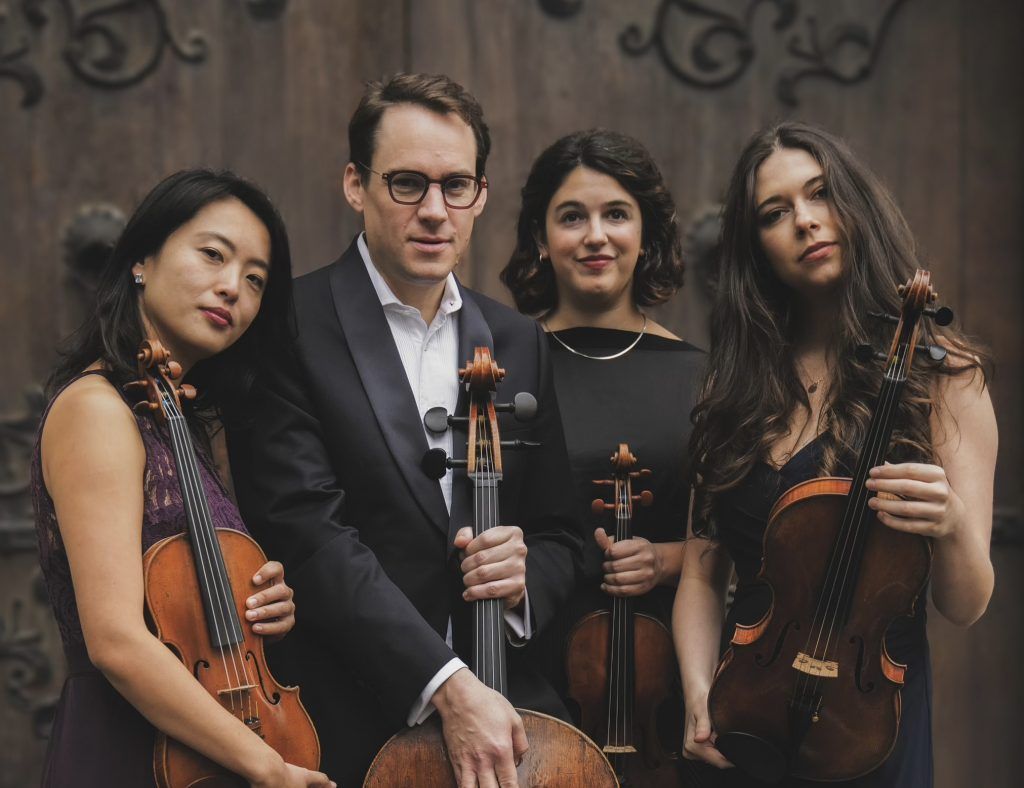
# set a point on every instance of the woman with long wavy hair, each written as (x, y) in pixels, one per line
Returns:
(811, 244)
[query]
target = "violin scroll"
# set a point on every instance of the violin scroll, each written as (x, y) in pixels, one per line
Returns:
(155, 367)
(623, 461)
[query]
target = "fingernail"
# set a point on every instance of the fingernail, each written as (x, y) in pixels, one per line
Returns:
(257, 627)
(257, 579)
(251, 601)
(250, 614)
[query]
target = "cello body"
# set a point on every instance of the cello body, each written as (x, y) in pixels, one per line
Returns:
(171, 583)
(861, 705)
(559, 756)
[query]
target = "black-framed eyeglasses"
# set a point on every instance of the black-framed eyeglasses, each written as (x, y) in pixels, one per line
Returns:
(408, 187)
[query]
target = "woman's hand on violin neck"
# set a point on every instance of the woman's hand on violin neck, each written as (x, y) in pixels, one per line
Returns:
(493, 564)
(923, 501)
(699, 741)
(271, 611)
(287, 775)
(632, 567)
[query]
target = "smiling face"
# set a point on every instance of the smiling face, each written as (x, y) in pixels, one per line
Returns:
(799, 230)
(203, 287)
(415, 247)
(592, 234)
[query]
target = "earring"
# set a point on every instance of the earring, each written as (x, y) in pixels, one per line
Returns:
(541, 259)
(139, 278)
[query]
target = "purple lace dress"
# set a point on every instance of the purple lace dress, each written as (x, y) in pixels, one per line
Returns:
(98, 738)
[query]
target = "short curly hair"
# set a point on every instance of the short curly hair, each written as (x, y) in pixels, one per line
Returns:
(659, 271)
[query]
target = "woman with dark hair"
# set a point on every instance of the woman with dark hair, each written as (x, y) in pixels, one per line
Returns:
(812, 244)
(597, 241)
(203, 267)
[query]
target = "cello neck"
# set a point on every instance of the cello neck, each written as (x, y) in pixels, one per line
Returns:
(488, 614)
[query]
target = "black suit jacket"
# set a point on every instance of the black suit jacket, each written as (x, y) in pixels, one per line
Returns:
(328, 479)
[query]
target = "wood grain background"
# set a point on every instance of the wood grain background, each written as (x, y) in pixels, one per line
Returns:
(940, 118)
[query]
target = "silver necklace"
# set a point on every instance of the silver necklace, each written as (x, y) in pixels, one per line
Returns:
(621, 353)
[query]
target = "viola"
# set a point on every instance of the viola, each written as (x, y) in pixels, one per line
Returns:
(196, 585)
(559, 754)
(621, 664)
(810, 690)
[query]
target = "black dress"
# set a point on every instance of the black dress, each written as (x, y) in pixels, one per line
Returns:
(644, 399)
(741, 516)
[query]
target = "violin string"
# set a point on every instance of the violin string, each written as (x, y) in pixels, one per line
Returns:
(621, 698)
(218, 570)
(204, 536)
(878, 451)
(202, 560)
(854, 516)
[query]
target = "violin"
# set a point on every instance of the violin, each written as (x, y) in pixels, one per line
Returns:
(810, 690)
(197, 610)
(620, 664)
(559, 754)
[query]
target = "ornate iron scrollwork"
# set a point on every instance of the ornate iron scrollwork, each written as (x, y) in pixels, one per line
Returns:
(17, 439)
(99, 50)
(700, 62)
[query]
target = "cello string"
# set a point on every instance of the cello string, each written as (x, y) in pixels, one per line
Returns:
(218, 570)
(201, 559)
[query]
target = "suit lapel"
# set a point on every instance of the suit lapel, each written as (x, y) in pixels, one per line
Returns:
(383, 377)
(473, 333)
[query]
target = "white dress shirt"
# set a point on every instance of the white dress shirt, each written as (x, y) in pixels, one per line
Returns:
(430, 357)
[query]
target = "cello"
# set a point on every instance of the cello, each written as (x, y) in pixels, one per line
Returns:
(196, 610)
(559, 754)
(810, 690)
(620, 664)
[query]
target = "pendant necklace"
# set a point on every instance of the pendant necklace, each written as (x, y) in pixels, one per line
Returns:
(619, 354)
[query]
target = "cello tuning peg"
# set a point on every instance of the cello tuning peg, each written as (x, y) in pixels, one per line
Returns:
(942, 316)
(935, 353)
(646, 498)
(883, 316)
(520, 444)
(523, 406)
(901, 289)
(187, 391)
(436, 420)
(436, 462)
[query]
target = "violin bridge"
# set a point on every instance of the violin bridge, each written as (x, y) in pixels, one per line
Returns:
(822, 668)
(236, 690)
(618, 749)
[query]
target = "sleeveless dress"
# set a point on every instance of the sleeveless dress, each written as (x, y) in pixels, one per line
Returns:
(643, 399)
(98, 738)
(742, 517)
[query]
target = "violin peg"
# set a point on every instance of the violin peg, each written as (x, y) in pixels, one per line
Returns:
(646, 498)
(935, 353)
(640, 473)
(174, 370)
(597, 506)
(883, 316)
(188, 391)
(604, 482)
(135, 384)
(901, 289)
(942, 316)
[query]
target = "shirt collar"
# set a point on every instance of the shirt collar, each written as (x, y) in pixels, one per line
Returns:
(451, 299)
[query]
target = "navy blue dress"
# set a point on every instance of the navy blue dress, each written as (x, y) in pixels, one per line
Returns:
(741, 516)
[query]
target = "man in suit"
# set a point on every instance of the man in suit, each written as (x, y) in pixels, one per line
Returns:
(381, 557)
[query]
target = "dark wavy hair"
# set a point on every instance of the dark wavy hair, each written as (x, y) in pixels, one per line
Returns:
(659, 271)
(436, 92)
(753, 331)
(113, 332)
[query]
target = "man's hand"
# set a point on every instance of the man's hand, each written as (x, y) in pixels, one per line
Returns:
(493, 564)
(484, 734)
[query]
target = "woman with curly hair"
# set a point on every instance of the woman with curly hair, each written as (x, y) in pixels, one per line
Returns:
(812, 244)
(597, 242)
